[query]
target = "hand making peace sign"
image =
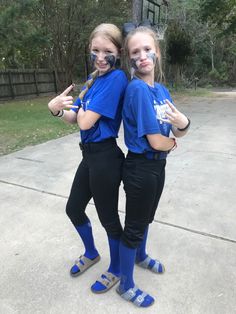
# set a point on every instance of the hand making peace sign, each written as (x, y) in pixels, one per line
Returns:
(62, 101)
(175, 117)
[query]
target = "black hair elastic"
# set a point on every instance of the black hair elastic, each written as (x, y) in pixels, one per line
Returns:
(146, 23)
(186, 127)
(130, 26)
(59, 114)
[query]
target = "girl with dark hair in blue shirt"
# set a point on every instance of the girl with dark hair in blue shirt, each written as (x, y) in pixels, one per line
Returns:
(98, 114)
(148, 117)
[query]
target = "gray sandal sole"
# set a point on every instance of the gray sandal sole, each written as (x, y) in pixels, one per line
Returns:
(87, 263)
(145, 264)
(108, 282)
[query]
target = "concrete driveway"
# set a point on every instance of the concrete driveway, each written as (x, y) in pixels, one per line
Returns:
(194, 233)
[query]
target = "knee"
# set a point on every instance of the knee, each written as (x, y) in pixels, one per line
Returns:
(76, 216)
(69, 209)
(113, 230)
(133, 234)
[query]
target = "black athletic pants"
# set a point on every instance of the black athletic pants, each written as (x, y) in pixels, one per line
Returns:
(143, 183)
(98, 176)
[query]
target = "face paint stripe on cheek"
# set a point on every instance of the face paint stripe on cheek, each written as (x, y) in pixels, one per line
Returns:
(151, 55)
(93, 57)
(111, 59)
(133, 62)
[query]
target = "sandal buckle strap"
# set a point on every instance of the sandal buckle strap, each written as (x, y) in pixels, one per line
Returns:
(129, 294)
(140, 298)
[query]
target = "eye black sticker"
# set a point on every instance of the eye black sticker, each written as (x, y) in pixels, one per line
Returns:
(133, 63)
(151, 55)
(111, 59)
(93, 57)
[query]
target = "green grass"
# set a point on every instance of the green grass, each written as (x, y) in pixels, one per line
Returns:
(199, 92)
(29, 122)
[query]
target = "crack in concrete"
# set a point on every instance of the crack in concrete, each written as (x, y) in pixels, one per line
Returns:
(209, 235)
(206, 234)
(28, 159)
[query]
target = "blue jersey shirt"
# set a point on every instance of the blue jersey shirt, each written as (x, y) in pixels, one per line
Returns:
(104, 97)
(143, 107)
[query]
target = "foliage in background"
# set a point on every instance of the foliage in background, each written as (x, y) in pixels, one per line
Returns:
(54, 34)
(22, 40)
(178, 50)
(222, 13)
(220, 20)
(213, 48)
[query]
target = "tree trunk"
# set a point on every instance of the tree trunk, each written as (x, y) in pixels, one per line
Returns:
(212, 56)
(86, 64)
(176, 74)
(137, 10)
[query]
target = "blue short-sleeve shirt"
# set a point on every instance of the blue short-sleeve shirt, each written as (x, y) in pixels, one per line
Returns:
(104, 97)
(143, 107)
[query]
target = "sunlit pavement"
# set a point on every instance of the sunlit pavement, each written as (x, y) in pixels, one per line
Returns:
(194, 232)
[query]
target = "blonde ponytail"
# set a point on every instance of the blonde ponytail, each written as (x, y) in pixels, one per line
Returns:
(88, 84)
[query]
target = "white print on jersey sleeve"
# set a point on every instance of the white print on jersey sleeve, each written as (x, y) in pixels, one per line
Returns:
(85, 104)
(161, 109)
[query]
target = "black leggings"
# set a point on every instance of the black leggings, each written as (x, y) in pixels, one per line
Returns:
(143, 183)
(98, 176)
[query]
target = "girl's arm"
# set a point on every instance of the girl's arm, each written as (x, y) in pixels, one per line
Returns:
(161, 142)
(69, 116)
(86, 119)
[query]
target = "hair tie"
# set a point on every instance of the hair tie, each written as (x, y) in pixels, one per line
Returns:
(130, 26)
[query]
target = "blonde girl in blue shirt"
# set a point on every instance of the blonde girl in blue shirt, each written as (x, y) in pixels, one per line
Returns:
(98, 114)
(148, 116)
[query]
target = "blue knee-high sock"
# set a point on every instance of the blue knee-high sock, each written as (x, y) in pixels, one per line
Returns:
(114, 266)
(86, 234)
(127, 260)
(141, 250)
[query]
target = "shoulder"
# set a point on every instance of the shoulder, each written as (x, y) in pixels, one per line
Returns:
(117, 73)
(162, 89)
(136, 85)
(137, 93)
(116, 79)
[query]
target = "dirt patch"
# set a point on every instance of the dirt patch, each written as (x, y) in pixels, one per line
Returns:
(225, 93)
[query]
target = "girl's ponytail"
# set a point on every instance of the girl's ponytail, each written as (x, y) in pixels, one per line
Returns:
(88, 84)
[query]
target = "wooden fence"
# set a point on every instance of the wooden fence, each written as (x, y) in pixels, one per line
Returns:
(17, 83)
